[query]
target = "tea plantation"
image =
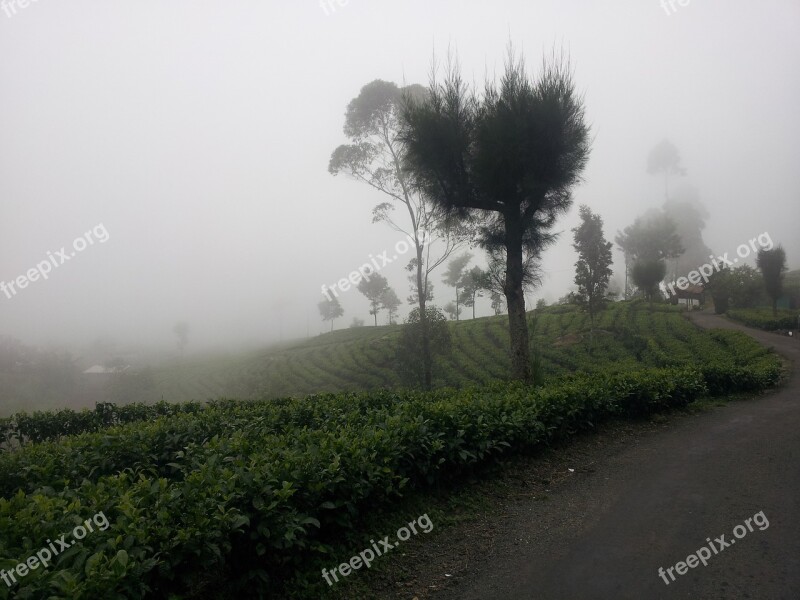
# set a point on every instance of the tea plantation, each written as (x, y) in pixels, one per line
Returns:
(251, 497)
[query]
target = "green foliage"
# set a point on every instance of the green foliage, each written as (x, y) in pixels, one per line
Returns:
(593, 269)
(240, 498)
(742, 287)
(509, 156)
(410, 366)
(374, 287)
(647, 274)
(772, 264)
(473, 283)
(330, 309)
(653, 237)
(763, 318)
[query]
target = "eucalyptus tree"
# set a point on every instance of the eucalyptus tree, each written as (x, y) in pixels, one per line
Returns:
(374, 156)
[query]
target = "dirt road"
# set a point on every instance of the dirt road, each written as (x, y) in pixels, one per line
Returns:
(604, 534)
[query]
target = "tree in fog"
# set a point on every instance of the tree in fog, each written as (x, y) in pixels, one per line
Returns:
(374, 289)
(742, 287)
(452, 276)
(772, 264)
(593, 269)
(409, 360)
(452, 310)
(647, 274)
(473, 283)
(665, 160)
(651, 238)
(689, 216)
(330, 309)
(497, 301)
(181, 331)
(374, 156)
(511, 155)
(391, 303)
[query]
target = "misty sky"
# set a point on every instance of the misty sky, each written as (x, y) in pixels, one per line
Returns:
(198, 134)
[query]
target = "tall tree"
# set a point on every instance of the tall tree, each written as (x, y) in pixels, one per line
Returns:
(330, 310)
(374, 289)
(375, 156)
(391, 303)
(772, 264)
(593, 269)
(511, 155)
(496, 272)
(453, 274)
(665, 159)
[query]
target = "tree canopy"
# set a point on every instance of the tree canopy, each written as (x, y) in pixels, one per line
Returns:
(509, 155)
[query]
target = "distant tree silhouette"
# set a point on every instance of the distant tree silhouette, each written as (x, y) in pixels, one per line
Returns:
(330, 309)
(772, 264)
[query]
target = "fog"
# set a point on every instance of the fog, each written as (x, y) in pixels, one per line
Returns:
(197, 135)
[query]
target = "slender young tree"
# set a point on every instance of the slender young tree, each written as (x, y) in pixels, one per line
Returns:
(593, 269)
(391, 303)
(374, 289)
(511, 155)
(374, 156)
(330, 309)
(772, 264)
(453, 274)
(473, 283)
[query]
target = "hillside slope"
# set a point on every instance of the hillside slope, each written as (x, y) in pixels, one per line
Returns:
(627, 336)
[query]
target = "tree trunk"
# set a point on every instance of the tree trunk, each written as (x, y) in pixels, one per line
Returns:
(775, 307)
(515, 298)
(427, 361)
